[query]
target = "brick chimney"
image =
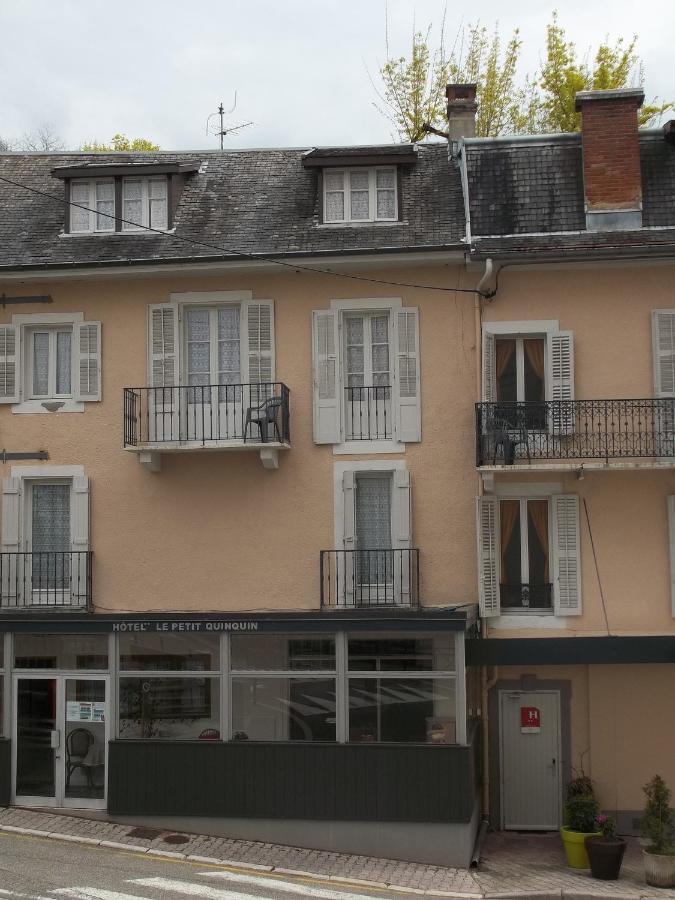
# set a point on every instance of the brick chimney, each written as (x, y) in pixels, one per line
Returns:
(462, 108)
(611, 158)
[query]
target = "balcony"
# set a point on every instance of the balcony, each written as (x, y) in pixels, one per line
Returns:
(182, 418)
(559, 435)
(369, 578)
(526, 598)
(368, 413)
(45, 580)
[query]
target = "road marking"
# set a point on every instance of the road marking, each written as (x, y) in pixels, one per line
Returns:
(14, 895)
(286, 886)
(193, 890)
(90, 893)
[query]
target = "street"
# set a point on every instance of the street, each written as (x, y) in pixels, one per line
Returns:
(34, 868)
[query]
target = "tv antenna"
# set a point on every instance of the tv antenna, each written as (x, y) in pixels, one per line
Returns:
(222, 112)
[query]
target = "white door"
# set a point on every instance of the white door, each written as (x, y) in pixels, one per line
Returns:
(374, 576)
(215, 406)
(60, 740)
(48, 536)
(530, 760)
(367, 400)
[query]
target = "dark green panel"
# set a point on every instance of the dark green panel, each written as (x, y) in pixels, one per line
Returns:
(346, 782)
(5, 772)
(555, 651)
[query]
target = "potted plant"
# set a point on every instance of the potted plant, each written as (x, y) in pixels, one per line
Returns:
(658, 826)
(605, 852)
(581, 809)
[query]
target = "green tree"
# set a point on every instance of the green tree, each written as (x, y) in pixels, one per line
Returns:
(412, 91)
(120, 143)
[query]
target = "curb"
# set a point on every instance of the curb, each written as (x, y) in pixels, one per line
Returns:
(252, 867)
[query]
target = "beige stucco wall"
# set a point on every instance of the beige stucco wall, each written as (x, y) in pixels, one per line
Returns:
(609, 310)
(216, 531)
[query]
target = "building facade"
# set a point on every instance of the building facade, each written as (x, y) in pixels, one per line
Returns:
(248, 399)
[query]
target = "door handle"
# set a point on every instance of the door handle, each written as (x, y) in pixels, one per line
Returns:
(55, 739)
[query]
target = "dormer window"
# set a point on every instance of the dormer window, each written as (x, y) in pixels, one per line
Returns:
(122, 196)
(360, 195)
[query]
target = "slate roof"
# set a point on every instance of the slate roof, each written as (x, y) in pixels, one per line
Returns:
(257, 201)
(536, 186)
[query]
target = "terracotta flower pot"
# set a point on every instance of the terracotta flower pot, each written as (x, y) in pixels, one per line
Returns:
(605, 856)
(659, 869)
(575, 850)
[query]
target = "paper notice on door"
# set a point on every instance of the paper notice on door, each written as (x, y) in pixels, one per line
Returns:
(79, 711)
(98, 712)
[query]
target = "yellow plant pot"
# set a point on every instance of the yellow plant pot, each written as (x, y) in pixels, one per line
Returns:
(575, 850)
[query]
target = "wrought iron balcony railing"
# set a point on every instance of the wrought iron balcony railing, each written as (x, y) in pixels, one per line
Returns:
(368, 413)
(524, 597)
(206, 414)
(367, 578)
(54, 579)
(516, 433)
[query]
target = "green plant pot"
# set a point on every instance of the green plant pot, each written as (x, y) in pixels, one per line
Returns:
(575, 849)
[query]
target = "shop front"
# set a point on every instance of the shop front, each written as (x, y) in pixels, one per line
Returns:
(341, 729)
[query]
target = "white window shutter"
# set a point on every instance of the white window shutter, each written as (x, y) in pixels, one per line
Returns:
(11, 506)
(87, 360)
(163, 349)
(407, 351)
(561, 367)
(401, 507)
(326, 381)
(13, 567)
(671, 544)
(260, 334)
(345, 568)
(10, 373)
(488, 556)
(489, 373)
(566, 555)
(663, 342)
(79, 516)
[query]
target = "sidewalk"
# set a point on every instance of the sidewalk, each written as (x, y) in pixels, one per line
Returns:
(512, 864)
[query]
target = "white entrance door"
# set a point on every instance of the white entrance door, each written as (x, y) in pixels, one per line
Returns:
(530, 760)
(60, 740)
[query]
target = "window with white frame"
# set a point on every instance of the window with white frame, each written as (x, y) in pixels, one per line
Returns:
(360, 195)
(144, 204)
(366, 374)
(529, 555)
(56, 359)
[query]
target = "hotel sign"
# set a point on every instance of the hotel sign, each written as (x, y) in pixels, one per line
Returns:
(185, 625)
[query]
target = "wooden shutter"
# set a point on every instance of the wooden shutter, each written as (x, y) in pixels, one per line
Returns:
(345, 562)
(326, 382)
(561, 367)
(88, 360)
(406, 346)
(260, 337)
(489, 370)
(11, 506)
(663, 342)
(488, 556)
(163, 358)
(79, 517)
(566, 555)
(13, 566)
(401, 510)
(671, 544)
(9, 364)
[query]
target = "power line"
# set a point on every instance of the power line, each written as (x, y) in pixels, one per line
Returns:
(235, 251)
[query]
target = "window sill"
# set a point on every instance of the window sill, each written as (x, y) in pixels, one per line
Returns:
(36, 406)
(369, 224)
(356, 448)
(109, 234)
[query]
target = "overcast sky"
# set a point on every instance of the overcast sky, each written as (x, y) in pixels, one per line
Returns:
(157, 68)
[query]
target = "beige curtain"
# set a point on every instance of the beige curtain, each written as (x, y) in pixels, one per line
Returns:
(503, 353)
(538, 512)
(534, 348)
(508, 516)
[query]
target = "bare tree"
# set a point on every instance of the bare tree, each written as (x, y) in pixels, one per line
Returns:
(43, 140)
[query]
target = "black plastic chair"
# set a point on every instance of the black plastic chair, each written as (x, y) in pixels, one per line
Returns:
(508, 432)
(264, 415)
(78, 744)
